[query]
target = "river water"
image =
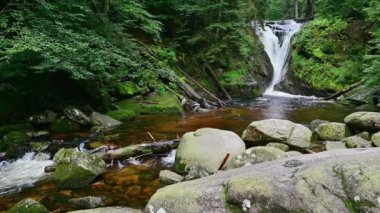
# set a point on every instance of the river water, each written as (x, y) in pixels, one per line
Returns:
(131, 185)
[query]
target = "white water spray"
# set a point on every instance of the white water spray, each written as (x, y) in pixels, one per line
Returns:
(276, 37)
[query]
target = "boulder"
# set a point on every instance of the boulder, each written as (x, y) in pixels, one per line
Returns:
(15, 144)
(330, 145)
(113, 209)
(90, 202)
(357, 142)
(376, 139)
(257, 154)
(28, 205)
(98, 119)
(46, 117)
(332, 131)
(364, 135)
(364, 121)
(205, 149)
(76, 169)
(277, 130)
(280, 146)
(315, 123)
(169, 177)
(77, 116)
(333, 181)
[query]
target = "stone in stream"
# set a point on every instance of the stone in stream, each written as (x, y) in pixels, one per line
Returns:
(98, 119)
(330, 145)
(15, 144)
(376, 139)
(46, 117)
(77, 116)
(28, 205)
(277, 130)
(364, 121)
(169, 177)
(332, 131)
(113, 209)
(90, 202)
(76, 169)
(334, 181)
(357, 142)
(280, 146)
(255, 155)
(205, 149)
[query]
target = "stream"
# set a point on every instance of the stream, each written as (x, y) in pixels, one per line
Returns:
(132, 183)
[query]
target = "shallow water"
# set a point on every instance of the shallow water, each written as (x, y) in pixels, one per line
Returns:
(133, 185)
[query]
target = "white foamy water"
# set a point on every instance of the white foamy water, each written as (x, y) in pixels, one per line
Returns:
(23, 172)
(276, 37)
(170, 158)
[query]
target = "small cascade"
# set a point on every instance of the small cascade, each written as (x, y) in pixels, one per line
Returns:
(276, 37)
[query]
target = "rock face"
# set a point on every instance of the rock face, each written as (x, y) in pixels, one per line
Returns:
(205, 149)
(376, 139)
(333, 181)
(367, 121)
(332, 131)
(276, 130)
(28, 205)
(257, 154)
(103, 120)
(169, 177)
(76, 169)
(357, 142)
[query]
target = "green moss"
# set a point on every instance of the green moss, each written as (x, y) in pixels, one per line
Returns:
(12, 142)
(154, 104)
(64, 126)
(122, 114)
(129, 88)
(232, 207)
(28, 205)
(14, 127)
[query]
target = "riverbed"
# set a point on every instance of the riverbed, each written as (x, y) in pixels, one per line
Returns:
(132, 183)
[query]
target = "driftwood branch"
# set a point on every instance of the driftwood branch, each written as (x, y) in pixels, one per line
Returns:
(348, 89)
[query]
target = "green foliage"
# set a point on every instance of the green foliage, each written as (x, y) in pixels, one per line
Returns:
(326, 56)
(345, 9)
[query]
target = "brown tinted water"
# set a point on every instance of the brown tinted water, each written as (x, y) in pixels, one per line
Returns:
(133, 185)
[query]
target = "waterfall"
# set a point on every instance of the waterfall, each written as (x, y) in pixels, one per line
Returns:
(276, 37)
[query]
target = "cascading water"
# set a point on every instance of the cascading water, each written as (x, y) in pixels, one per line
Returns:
(276, 37)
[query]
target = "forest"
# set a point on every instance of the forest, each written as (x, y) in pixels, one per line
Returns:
(125, 82)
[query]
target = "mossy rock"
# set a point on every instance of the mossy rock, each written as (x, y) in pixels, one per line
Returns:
(64, 126)
(14, 127)
(151, 105)
(28, 205)
(14, 144)
(76, 169)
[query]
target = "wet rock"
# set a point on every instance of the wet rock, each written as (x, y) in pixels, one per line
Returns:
(36, 134)
(364, 135)
(39, 146)
(15, 144)
(77, 116)
(357, 142)
(330, 145)
(5, 129)
(376, 139)
(206, 149)
(332, 131)
(279, 146)
(76, 169)
(103, 120)
(28, 205)
(277, 130)
(169, 177)
(46, 117)
(64, 125)
(331, 181)
(364, 121)
(315, 123)
(257, 154)
(90, 202)
(114, 209)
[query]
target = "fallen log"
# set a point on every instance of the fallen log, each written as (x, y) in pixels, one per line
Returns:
(209, 70)
(348, 89)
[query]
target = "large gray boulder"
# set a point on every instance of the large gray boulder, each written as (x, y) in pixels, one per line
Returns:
(277, 130)
(257, 154)
(205, 149)
(376, 139)
(99, 119)
(332, 131)
(76, 169)
(364, 121)
(333, 181)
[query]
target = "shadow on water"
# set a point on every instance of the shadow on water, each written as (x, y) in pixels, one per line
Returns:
(133, 185)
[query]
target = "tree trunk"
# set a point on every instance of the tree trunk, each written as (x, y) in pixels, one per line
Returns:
(309, 9)
(296, 9)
